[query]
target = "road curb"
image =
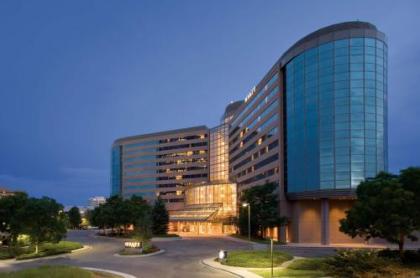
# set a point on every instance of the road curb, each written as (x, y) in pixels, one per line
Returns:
(237, 271)
(122, 274)
(141, 256)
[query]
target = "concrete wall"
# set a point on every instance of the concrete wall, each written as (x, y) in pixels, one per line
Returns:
(337, 212)
(306, 222)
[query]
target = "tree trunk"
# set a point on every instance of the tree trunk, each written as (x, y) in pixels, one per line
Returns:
(401, 245)
(36, 248)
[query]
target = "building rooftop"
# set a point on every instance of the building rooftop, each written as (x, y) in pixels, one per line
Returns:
(155, 134)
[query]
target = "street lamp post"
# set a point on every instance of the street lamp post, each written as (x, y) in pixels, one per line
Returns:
(249, 219)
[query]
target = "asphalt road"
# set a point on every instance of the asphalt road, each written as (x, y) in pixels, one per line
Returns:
(181, 259)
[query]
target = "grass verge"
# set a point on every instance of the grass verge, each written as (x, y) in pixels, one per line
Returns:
(57, 272)
(310, 268)
(257, 259)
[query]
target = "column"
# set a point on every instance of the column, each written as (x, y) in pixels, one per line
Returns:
(325, 222)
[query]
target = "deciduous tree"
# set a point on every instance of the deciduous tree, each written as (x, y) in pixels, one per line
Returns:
(160, 218)
(264, 209)
(383, 209)
(44, 221)
(12, 215)
(75, 219)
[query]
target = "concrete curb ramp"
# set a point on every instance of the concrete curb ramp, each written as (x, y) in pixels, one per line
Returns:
(140, 256)
(237, 271)
(123, 275)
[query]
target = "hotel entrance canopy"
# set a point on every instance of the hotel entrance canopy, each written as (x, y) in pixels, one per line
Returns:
(202, 212)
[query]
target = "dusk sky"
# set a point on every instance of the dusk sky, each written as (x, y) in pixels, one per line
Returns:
(76, 75)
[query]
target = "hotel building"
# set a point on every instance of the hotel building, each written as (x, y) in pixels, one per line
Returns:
(160, 164)
(316, 125)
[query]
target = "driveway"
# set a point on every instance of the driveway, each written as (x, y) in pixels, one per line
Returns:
(181, 259)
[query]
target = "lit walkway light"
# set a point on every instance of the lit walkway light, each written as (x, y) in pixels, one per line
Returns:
(249, 219)
(222, 255)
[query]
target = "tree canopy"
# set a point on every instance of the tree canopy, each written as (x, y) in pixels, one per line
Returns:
(264, 209)
(44, 221)
(75, 219)
(12, 210)
(118, 213)
(41, 219)
(160, 218)
(385, 208)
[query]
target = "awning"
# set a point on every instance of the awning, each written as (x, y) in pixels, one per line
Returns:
(195, 213)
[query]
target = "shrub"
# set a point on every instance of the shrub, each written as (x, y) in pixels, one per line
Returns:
(364, 264)
(409, 257)
(50, 249)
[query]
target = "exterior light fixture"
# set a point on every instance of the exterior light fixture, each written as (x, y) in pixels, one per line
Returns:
(249, 219)
(222, 255)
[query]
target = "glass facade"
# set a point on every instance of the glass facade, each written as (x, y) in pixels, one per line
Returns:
(219, 153)
(223, 195)
(116, 170)
(336, 112)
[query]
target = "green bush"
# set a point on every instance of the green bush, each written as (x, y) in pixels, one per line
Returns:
(11, 252)
(409, 257)
(50, 249)
(364, 264)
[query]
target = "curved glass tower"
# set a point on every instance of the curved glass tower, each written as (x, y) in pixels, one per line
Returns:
(336, 95)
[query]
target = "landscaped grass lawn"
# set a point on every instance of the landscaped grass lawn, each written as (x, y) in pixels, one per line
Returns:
(255, 258)
(56, 272)
(307, 264)
(310, 268)
(45, 249)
